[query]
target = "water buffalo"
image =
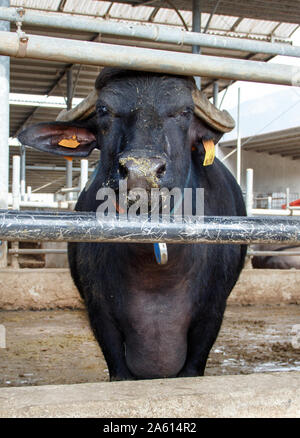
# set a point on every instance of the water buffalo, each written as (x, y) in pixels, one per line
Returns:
(151, 320)
(279, 261)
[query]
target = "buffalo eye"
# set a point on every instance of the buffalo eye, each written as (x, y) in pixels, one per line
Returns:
(102, 110)
(186, 113)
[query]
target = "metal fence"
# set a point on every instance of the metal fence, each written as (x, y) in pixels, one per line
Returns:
(24, 226)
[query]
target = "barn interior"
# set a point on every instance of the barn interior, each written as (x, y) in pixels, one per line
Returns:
(260, 333)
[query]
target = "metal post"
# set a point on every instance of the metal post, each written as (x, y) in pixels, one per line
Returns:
(196, 27)
(16, 182)
(215, 101)
(23, 173)
(288, 200)
(16, 204)
(269, 202)
(238, 144)
(84, 173)
(249, 191)
(4, 133)
(29, 193)
(69, 176)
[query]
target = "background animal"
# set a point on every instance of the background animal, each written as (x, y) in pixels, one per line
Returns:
(276, 262)
(151, 320)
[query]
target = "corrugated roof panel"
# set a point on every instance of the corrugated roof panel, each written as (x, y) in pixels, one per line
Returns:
(89, 7)
(167, 16)
(51, 5)
(222, 22)
(127, 12)
(250, 26)
(285, 30)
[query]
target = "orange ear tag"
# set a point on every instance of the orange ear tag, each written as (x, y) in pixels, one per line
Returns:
(209, 147)
(69, 142)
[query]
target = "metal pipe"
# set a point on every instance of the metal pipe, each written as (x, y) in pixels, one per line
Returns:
(215, 102)
(55, 168)
(269, 202)
(238, 141)
(273, 212)
(249, 191)
(69, 172)
(15, 203)
(69, 189)
(84, 176)
(151, 32)
(273, 253)
(135, 58)
(16, 183)
(86, 227)
(196, 27)
(29, 191)
(4, 132)
(45, 204)
(23, 173)
(37, 251)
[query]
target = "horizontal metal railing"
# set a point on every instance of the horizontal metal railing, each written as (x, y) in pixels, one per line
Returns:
(87, 227)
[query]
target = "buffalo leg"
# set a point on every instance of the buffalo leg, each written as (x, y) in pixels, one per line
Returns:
(111, 342)
(200, 341)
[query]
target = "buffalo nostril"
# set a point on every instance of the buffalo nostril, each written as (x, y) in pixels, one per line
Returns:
(123, 171)
(161, 171)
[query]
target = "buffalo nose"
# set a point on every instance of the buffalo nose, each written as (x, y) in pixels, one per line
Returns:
(142, 172)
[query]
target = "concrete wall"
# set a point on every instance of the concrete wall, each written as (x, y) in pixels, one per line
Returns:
(54, 289)
(272, 173)
(275, 395)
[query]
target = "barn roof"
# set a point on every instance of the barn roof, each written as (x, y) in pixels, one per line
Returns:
(285, 143)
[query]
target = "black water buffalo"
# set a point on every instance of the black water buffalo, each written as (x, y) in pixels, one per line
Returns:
(151, 320)
(281, 261)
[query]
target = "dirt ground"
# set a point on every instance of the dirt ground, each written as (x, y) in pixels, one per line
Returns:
(57, 347)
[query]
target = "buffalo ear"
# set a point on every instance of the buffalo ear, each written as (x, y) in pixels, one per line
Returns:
(60, 138)
(203, 138)
(199, 130)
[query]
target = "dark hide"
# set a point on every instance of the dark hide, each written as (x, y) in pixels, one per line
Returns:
(152, 320)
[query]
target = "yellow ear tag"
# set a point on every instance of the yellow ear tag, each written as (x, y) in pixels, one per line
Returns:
(209, 147)
(69, 142)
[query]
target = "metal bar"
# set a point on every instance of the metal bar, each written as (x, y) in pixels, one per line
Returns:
(4, 132)
(249, 191)
(15, 203)
(54, 168)
(238, 144)
(69, 163)
(16, 182)
(84, 176)
(273, 212)
(44, 204)
(215, 102)
(37, 251)
(86, 227)
(23, 173)
(273, 253)
(150, 32)
(196, 27)
(85, 52)
(69, 189)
